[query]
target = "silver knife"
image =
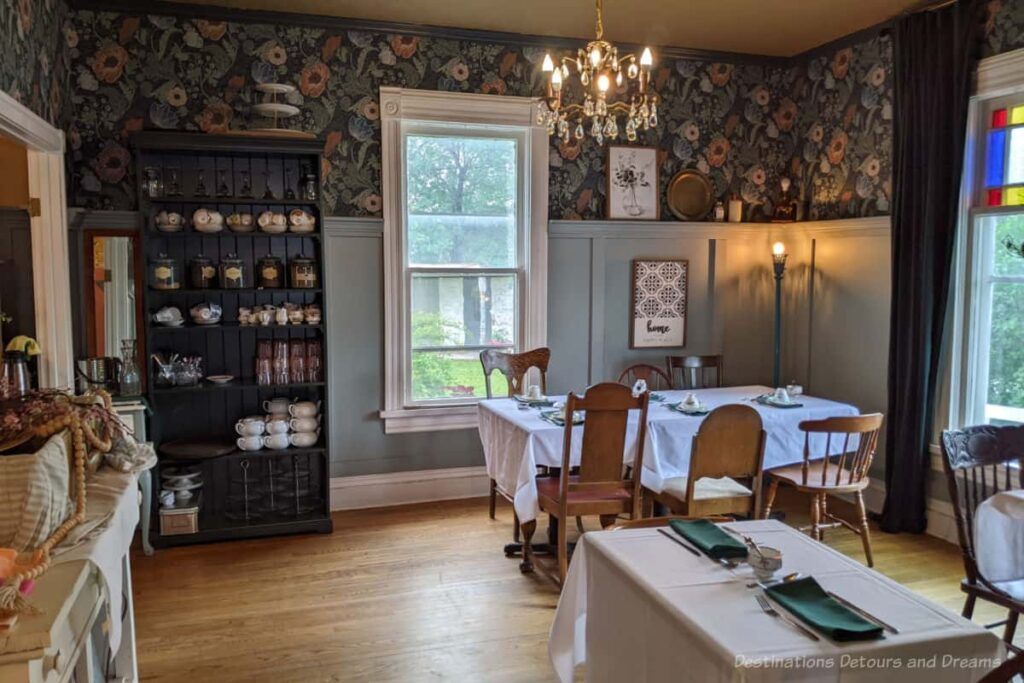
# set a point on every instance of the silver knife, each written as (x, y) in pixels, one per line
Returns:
(864, 613)
(672, 537)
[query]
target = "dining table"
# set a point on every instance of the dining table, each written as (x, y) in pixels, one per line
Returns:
(637, 606)
(517, 438)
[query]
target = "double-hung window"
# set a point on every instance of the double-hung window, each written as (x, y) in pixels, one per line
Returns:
(990, 386)
(465, 219)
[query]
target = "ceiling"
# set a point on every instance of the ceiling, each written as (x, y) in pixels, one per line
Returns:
(765, 27)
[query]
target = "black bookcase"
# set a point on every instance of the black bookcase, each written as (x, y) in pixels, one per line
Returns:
(245, 493)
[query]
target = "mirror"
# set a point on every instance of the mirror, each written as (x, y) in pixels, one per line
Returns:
(113, 299)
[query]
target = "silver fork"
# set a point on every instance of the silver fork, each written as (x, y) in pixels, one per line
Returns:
(767, 608)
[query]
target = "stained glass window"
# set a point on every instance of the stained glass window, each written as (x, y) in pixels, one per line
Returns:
(1004, 158)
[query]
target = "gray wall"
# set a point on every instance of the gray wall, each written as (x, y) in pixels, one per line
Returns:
(588, 332)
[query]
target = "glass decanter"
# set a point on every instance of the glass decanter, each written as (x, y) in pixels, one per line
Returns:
(131, 379)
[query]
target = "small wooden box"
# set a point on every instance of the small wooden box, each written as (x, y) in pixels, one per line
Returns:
(178, 521)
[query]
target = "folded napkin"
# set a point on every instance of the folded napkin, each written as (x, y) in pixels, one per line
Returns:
(534, 402)
(708, 537)
(556, 418)
(809, 602)
(678, 407)
(769, 401)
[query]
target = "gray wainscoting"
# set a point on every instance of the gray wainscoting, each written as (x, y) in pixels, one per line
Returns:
(354, 265)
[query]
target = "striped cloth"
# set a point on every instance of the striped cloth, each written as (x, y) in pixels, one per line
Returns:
(35, 494)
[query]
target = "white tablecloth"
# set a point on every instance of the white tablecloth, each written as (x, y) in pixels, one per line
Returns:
(637, 607)
(516, 441)
(999, 536)
(112, 513)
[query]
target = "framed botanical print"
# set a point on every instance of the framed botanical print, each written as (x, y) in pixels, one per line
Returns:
(633, 190)
(658, 311)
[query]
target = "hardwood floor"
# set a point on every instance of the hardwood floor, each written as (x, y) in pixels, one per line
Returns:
(414, 593)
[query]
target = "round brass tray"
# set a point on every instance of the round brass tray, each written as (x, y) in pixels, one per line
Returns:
(690, 195)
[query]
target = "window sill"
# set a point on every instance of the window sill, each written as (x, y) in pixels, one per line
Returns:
(406, 420)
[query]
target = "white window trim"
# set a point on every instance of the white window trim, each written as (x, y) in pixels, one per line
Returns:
(996, 77)
(398, 105)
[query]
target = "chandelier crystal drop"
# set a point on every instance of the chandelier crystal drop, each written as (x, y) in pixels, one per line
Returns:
(613, 87)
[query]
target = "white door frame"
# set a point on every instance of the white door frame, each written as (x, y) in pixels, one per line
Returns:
(50, 265)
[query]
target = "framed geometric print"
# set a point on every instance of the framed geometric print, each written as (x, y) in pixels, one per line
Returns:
(659, 304)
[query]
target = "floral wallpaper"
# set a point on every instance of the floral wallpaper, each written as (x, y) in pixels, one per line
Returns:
(825, 122)
(841, 162)
(33, 67)
(1004, 26)
(133, 72)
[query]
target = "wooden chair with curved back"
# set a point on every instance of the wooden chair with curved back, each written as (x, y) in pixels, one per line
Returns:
(655, 377)
(823, 474)
(601, 487)
(697, 372)
(514, 367)
(724, 477)
(979, 463)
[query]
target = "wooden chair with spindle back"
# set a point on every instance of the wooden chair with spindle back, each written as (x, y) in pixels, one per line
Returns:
(697, 372)
(826, 474)
(724, 477)
(655, 377)
(1010, 671)
(601, 487)
(981, 462)
(513, 366)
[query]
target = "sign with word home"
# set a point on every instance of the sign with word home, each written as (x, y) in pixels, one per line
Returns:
(659, 304)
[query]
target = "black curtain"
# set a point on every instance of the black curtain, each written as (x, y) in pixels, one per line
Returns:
(933, 63)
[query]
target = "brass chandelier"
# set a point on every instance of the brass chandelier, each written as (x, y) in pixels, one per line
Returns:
(603, 75)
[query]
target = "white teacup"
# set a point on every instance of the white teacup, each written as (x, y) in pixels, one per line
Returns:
(304, 409)
(276, 406)
(249, 428)
(304, 424)
(691, 402)
(277, 441)
(249, 443)
(765, 562)
(304, 439)
(277, 426)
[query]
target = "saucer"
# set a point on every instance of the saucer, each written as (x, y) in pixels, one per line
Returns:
(220, 379)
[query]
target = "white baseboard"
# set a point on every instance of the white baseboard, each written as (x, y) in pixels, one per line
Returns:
(941, 522)
(403, 488)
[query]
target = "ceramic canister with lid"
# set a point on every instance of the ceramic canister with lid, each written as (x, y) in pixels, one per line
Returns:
(304, 273)
(202, 272)
(233, 273)
(270, 272)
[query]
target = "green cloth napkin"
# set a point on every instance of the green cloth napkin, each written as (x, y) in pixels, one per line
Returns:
(708, 537)
(536, 402)
(679, 409)
(555, 418)
(809, 602)
(767, 401)
(657, 397)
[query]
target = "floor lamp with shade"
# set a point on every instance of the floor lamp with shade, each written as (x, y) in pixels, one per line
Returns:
(779, 264)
